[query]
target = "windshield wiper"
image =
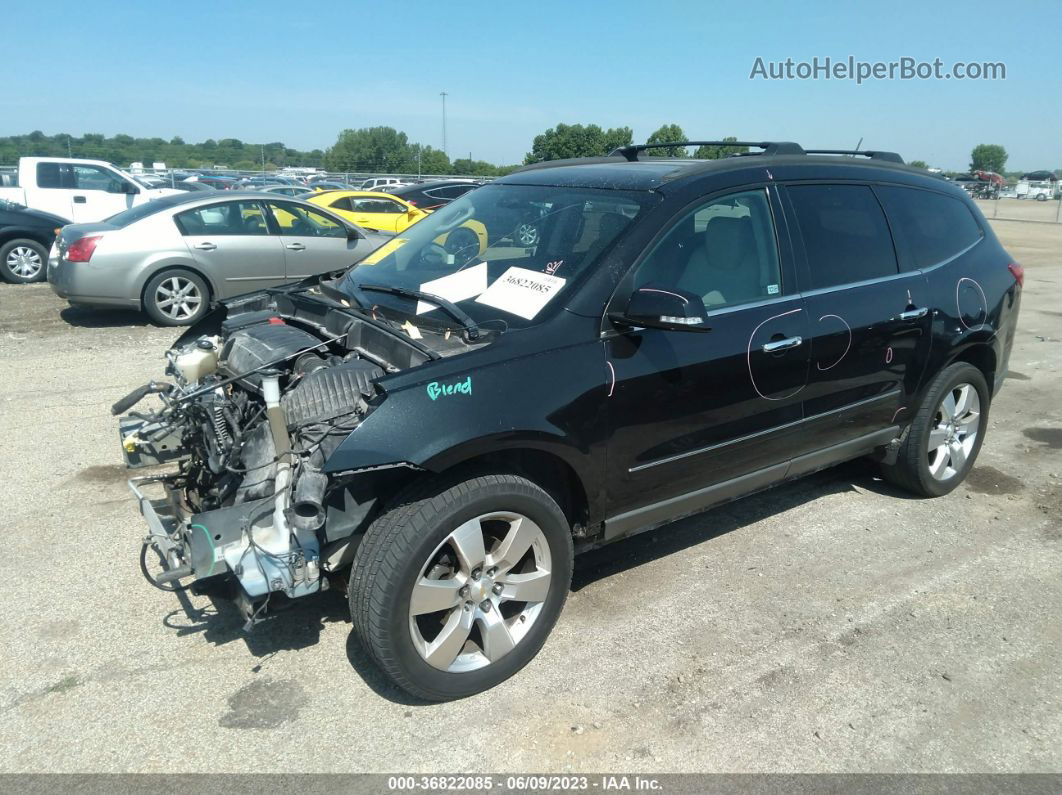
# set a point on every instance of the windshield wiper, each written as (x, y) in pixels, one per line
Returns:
(449, 307)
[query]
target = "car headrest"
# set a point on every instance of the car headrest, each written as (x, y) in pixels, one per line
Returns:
(729, 242)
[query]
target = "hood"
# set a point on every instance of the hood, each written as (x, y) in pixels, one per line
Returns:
(39, 217)
(157, 193)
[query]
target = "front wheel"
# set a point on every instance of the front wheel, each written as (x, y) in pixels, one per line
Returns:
(945, 435)
(455, 588)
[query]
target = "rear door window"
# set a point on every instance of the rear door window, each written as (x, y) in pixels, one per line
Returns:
(54, 175)
(931, 226)
(846, 237)
(230, 218)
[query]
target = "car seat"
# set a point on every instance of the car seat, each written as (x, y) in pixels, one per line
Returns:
(725, 267)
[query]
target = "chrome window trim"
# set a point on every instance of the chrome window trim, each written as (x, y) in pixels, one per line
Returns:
(953, 257)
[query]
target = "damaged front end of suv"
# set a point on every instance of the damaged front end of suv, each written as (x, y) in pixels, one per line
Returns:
(262, 394)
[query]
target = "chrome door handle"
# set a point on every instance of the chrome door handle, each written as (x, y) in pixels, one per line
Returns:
(913, 314)
(296, 246)
(782, 345)
(205, 246)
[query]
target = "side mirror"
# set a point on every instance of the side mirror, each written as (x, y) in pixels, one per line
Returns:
(353, 234)
(129, 188)
(663, 308)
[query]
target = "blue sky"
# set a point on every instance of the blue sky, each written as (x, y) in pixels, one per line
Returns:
(301, 72)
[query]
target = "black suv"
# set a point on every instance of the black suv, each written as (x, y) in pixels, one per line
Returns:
(431, 195)
(440, 428)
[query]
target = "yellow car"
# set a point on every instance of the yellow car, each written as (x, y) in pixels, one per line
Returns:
(369, 209)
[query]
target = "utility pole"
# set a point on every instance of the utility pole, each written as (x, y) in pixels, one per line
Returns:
(443, 95)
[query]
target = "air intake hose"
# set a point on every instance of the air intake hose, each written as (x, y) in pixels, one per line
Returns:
(307, 501)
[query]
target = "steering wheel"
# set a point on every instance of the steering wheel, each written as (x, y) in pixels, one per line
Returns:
(463, 243)
(433, 257)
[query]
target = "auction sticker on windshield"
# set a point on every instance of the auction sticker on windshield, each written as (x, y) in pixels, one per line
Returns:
(467, 283)
(522, 292)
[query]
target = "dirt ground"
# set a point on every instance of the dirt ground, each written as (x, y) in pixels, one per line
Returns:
(833, 624)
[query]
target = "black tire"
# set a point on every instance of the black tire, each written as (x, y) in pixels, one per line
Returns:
(160, 314)
(912, 468)
(23, 253)
(392, 557)
(1041, 197)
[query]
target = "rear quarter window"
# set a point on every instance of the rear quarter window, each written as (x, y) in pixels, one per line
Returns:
(846, 237)
(932, 227)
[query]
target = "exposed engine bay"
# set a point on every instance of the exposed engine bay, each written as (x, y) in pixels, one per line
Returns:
(250, 417)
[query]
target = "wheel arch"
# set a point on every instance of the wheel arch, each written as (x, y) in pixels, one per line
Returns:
(153, 271)
(556, 476)
(10, 234)
(982, 356)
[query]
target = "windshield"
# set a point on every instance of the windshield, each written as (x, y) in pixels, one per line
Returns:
(507, 253)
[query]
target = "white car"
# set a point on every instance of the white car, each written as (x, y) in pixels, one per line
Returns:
(374, 183)
(82, 190)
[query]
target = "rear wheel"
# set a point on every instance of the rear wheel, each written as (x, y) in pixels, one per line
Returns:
(23, 261)
(176, 298)
(455, 588)
(946, 434)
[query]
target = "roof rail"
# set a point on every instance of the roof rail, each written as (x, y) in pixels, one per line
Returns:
(769, 147)
(890, 157)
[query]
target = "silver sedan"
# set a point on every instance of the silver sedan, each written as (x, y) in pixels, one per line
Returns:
(173, 256)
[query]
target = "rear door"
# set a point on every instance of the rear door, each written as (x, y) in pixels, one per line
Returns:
(313, 242)
(232, 243)
(869, 321)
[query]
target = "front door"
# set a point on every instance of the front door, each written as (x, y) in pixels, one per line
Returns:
(381, 213)
(232, 243)
(313, 242)
(870, 323)
(698, 416)
(99, 193)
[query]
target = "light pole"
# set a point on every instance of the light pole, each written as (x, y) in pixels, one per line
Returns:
(443, 95)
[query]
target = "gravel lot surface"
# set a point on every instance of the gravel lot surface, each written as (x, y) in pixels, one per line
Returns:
(833, 624)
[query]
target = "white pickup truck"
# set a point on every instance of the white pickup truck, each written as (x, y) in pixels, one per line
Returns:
(82, 190)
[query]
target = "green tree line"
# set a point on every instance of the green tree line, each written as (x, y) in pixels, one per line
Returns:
(374, 150)
(175, 153)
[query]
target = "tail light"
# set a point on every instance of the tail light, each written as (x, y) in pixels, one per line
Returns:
(81, 249)
(410, 201)
(1018, 272)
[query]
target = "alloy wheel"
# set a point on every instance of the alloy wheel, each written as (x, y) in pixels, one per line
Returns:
(479, 593)
(527, 234)
(954, 433)
(24, 262)
(178, 298)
